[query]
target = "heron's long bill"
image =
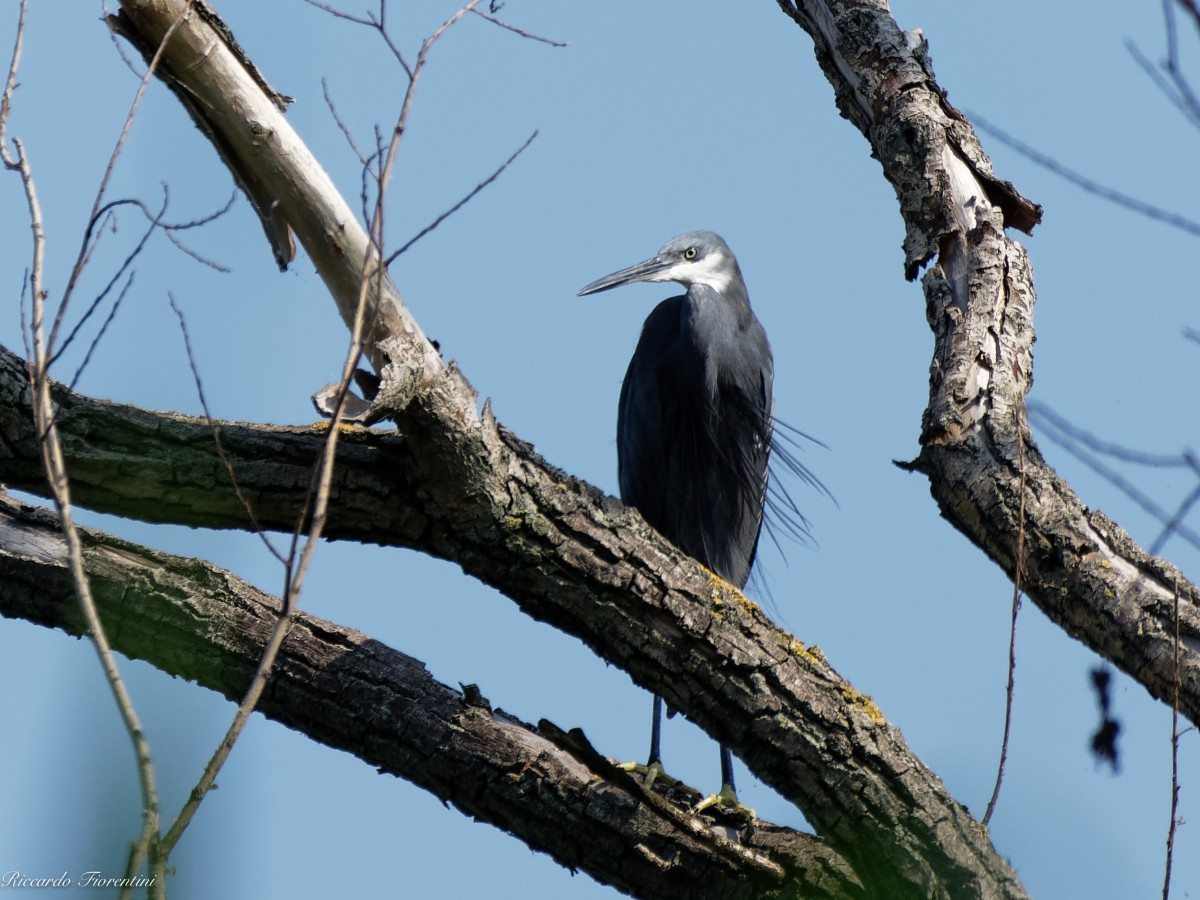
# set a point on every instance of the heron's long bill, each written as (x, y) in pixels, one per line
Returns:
(643, 271)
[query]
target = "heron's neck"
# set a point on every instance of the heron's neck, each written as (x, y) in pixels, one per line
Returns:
(730, 303)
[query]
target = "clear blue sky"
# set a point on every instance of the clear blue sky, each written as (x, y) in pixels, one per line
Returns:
(658, 118)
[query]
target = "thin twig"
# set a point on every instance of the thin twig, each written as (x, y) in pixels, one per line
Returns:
(1018, 569)
(55, 467)
(378, 23)
(98, 203)
(1173, 85)
(112, 314)
(1166, 891)
(216, 435)
(1173, 524)
(1192, 9)
(1172, 65)
(345, 129)
(385, 170)
(156, 222)
(1078, 443)
(294, 576)
(300, 557)
(112, 282)
(10, 85)
(1092, 187)
(515, 30)
(1120, 452)
(461, 203)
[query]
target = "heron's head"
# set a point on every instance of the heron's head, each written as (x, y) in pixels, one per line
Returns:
(698, 257)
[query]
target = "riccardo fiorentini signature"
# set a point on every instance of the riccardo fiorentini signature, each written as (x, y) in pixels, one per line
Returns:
(92, 878)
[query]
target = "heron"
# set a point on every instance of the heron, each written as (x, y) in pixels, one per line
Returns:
(695, 426)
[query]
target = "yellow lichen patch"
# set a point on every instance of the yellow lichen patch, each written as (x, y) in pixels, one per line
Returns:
(514, 522)
(320, 426)
(816, 654)
(720, 589)
(862, 701)
(747, 602)
(716, 590)
(793, 645)
(813, 654)
(1104, 563)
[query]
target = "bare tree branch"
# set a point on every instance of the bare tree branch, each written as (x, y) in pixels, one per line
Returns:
(51, 459)
(205, 69)
(1079, 567)
(515, 30)
(350, 692)
(586, 565)
(461, 203)
(1120, 198)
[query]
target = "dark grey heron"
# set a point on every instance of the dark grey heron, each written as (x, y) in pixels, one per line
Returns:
(694, 425)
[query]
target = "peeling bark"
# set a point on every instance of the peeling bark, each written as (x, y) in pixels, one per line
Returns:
(1080, 568)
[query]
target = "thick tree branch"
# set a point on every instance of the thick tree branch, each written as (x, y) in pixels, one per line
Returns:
(1081, 569)
(582, 562)
(338, 686)
(162, 467)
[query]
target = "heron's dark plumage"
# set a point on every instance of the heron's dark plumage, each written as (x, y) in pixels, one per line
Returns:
(694, 427)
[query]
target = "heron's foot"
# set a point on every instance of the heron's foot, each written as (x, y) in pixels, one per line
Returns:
(654, 774)
(651, 772)
(725, 800)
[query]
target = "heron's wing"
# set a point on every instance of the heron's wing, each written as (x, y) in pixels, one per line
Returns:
(742, 440)
(643, 415)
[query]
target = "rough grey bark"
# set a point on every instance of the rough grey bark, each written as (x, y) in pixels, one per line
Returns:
(340, 687)
(163, 467)
(977, 450)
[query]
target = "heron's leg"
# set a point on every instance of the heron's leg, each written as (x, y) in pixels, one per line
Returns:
(653, 770)
(727, 770)
(726, 798)
(656, 733)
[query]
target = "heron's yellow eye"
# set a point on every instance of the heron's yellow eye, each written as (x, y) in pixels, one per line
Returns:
(689, 253)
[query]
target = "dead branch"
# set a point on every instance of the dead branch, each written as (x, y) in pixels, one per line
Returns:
(243, 117)
(1079, 567)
